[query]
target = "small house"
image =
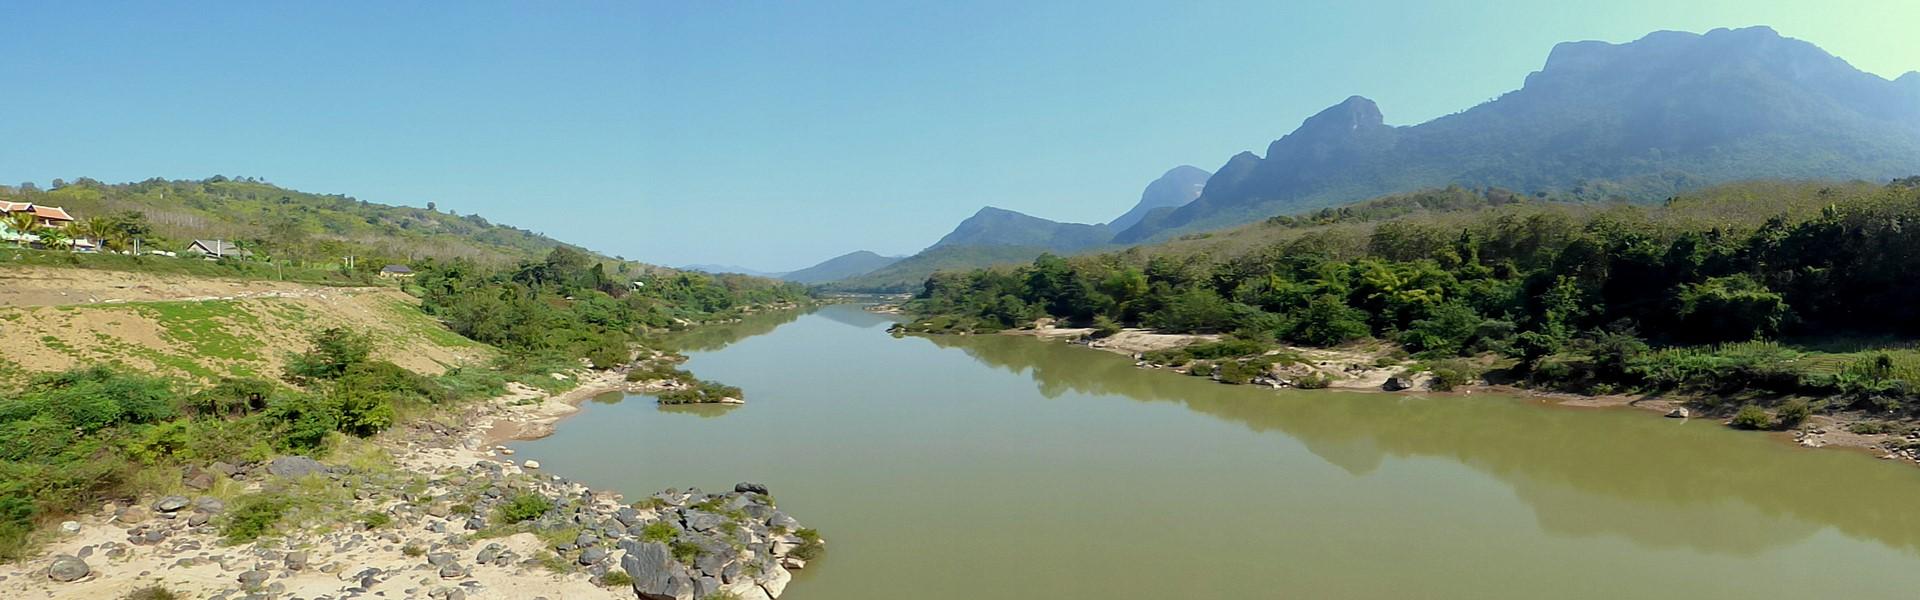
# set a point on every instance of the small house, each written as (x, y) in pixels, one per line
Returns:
(214, 249)
(46, 217)
(396, 271)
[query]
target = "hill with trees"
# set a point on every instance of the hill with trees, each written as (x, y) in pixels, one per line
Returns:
(1761, 287)
(1639, 121)
(290, 226)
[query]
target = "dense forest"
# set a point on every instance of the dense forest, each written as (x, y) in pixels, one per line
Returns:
(1695, 294)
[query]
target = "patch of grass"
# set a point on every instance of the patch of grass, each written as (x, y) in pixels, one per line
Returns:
(616, 579)
(810, 545)
(413, 551)
(685, 551)
(376, 519)
(659, 531)
(153, 592)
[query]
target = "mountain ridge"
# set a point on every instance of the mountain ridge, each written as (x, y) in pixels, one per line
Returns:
(1638, 120)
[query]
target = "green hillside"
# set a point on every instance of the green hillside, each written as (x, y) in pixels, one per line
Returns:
(287, 225)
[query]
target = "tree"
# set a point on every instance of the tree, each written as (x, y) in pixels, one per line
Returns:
(1328, 321)
(331, 353)
(1733, 308)
(23, 224)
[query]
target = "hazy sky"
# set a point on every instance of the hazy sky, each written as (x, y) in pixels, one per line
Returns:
(774, 134)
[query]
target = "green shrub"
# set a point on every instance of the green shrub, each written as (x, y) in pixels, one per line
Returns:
(1451, 374)
(1315, 381)
(1240, 372)
(1752, 417)
(376, 519)
(702, 392)
(522, 507)
(1792, 413)
(253, 517)
(331, 351)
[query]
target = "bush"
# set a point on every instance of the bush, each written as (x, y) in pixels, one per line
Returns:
(1240, 372)
(253, 517)
(1752, 417)
(522, 507)
(700, 393)
(1792, 413)
(1315, 381)
(685, 551)
(376, 519)
(1449, 375)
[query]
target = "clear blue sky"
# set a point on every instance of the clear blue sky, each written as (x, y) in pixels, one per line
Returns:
(774, 134)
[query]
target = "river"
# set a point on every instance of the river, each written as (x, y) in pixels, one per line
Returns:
(1011, 468)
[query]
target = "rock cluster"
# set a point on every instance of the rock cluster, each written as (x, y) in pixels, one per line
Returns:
(730, 545)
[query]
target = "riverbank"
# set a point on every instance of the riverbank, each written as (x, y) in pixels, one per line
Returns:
(1355, 370)
(434, 509)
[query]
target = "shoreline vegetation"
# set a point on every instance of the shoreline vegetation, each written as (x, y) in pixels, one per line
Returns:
(348, 474)
(1779, 306)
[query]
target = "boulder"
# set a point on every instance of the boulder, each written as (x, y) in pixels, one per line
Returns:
(1679, 413)
(171, 504)
(774, 580)
(592, 556)
(748, 487)
(253, 579)
(1397, 383)
(531, 464)
(294, 467)
(698, 520)
(208, 504)
(197, 478)
(70, 527)
(67, 567)
(133, 514)
(655, 574)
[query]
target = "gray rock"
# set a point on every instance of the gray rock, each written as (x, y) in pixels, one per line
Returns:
(585, 540)
(294, 467)
(197, 519)
(705, 521)
(170, 504)
(781, 520)
(440, 559)
(1679, 413)
(209, 504)
(253, 579)
(1397, 383)
(133, 514)
(627, 516)
(476, 524)
(655, 574)
(296, 561)
(452, 571)
(67, 568)
(592, 556)
(488, 553)
(748, 487)
(196, 478)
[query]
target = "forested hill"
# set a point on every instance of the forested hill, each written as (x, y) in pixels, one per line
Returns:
(1643, 120)
(286, 224)
(1689, 295)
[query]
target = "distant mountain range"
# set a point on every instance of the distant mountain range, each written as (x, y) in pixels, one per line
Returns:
(843, 266)
(723, 269)
(1643, 120)
(1639, 121)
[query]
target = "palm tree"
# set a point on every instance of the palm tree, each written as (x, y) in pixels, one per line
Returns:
(92, 228)
(23, 223)
(54, 238)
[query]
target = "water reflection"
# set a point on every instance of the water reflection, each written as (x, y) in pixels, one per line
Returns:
(1657, 482)
(708, 338)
